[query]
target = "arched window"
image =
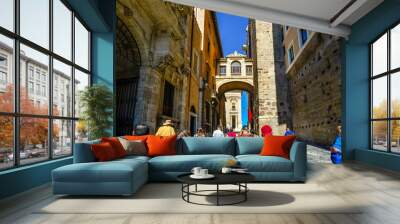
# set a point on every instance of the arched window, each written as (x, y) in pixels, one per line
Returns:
(233, 107)
(236, 68)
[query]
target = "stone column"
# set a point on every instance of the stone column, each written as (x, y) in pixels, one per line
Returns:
(270, 76)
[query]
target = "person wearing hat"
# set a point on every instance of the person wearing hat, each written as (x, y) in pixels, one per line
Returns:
(167, 129)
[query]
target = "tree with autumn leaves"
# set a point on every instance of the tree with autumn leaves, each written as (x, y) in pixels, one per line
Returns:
(33, 131)
(380, 127)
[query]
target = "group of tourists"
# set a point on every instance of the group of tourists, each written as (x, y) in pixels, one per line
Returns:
(168, 129)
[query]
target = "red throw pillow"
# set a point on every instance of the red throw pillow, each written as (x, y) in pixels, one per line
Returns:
(116, 145)
(277, 146)
(103, 152)
(136, 137)
(161, 146)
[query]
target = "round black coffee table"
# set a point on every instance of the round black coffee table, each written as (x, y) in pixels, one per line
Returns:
(238, 179)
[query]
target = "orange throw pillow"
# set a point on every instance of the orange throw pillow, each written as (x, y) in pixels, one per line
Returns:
(277, 146)
(116, 145)
(103, 152)
(136, 137)
(161, 146)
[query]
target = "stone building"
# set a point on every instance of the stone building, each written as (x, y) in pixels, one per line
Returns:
(233, 108)
(271, 105)
(166, 65)
(211, 51)
(235, 74)
(313, 66)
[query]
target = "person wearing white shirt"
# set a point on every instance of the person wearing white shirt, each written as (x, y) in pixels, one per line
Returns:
(218, 132)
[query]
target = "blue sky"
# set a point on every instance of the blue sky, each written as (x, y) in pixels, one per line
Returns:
(233, 32)
(233, 35)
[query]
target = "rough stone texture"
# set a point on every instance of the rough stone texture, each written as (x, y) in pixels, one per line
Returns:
(315, 92)
(271, 87)
(161, 36)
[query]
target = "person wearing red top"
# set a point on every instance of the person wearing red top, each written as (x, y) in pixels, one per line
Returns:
(231, 133)
(266, 130)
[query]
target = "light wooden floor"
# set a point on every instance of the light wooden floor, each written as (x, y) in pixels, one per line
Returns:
(354, 182)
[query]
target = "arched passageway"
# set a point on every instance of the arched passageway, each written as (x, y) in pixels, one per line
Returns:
(231, 100)
(127, 78)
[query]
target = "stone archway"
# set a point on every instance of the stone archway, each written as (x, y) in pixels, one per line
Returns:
(127, 78)
(228, 85)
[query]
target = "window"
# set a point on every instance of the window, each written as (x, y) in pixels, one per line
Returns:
(44, 91)
(303, 37)
(81, 82)
(233, 121)
(63, 72)
(385, 94)
(62, 29)
(35, 22)
(168, 102)
(30, 87)
(249, 70)
(233, 107)
(222, 70)
(30, 73)
(3, 78)
(3, 61)
(7, 14)
(236, 68)
(290, 55)
(44, 130)
(6, 75)
(37, 89)
(81, 45)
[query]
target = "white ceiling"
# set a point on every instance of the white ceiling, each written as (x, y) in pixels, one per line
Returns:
(325, 16)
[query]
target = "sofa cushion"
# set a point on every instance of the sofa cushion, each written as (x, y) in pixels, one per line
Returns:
(257, 163)
(103, 152)
(249, 145)
(206, 145)
(161, 145)
(136, 147)
(185, 163)
(277, 146)
(116, 145)
(112, 171)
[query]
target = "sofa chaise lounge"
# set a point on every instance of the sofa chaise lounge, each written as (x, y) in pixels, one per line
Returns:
(125, 176)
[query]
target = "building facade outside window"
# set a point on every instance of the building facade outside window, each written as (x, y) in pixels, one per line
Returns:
(236, 68)
(37, 131)
(385, 93)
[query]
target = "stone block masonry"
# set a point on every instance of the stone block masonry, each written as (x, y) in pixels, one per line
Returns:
(271, 86)
(315, 92)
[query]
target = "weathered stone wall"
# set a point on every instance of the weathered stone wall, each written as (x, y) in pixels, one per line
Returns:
(271, 87)
(315, 92)
(161, 36)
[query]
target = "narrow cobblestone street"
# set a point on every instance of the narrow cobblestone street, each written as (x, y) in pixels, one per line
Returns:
(317, 155)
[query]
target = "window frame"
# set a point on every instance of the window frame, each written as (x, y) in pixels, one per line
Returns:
(220, 69)
(388, 74)
(291, 47)
(16, 115)
(300, 37)
(232, 66)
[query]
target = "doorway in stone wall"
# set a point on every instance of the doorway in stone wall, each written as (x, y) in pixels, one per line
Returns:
(193, 121)
(127, 79)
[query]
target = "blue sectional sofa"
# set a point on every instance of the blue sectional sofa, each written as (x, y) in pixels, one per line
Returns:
(125, 176)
